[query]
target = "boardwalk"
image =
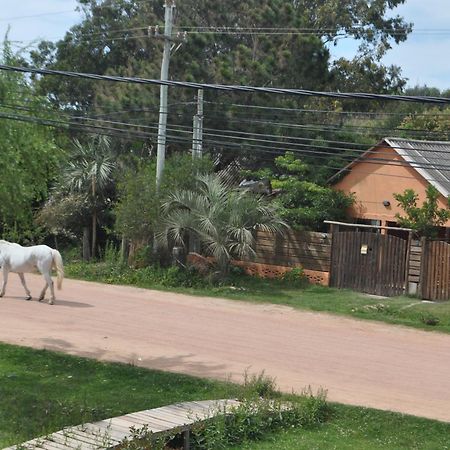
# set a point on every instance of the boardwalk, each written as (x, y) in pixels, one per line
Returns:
(108, 433)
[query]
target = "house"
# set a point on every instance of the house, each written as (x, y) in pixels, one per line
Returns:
(392, 166)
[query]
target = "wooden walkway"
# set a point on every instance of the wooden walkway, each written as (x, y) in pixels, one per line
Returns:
(108, 433)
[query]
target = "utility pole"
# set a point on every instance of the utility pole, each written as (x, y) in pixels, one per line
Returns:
(197, 150)
(161, 150)
(197, 137)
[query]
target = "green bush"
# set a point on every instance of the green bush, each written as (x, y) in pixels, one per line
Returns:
(295, 277)
(254, 418)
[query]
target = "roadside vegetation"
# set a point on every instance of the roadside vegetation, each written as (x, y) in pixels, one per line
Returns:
(42, 392)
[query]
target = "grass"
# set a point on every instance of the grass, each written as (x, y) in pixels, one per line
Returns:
(407, 311)
(42, 391)
(351, 428)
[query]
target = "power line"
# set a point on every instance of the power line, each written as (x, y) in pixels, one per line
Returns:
(118, 132)
(306, 146)
(31, 16)
(230, 88)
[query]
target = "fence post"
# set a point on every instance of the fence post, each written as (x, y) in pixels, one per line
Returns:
(408, 253)
(334, 228)
(423, 266)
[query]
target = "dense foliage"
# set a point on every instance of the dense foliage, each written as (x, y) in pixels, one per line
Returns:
(222, 219)
(424, 219)
(30, 154)
(305, 204)
(137, 210)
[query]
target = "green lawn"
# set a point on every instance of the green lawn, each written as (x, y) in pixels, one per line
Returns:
(401, 310)
(352, 428)
(42, 391)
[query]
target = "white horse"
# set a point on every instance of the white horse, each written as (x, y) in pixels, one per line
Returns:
(18, 259)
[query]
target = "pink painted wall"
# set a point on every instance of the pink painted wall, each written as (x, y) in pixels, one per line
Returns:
(374, 183)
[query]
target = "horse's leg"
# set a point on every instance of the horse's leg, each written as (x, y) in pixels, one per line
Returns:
(42, 296)
(24, 284)
(49, 281)
(5, 280)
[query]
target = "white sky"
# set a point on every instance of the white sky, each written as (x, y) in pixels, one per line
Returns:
(424, 57)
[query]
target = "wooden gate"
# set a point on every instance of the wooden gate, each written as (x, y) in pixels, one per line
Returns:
(435, 276)
(369, 262)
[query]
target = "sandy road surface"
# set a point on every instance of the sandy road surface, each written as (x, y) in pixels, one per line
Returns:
(358, 362)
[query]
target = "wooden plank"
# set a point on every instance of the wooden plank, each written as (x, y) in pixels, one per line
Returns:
(155, 420)
(163, 418)
(102, 429)
(77, 435)
(46, 444)
(293, 243)
(87, 436)
(66, 440)
(295, 236)
(414, 272)
(140, 420)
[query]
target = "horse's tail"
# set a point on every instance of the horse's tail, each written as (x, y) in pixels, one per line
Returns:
(58, 262)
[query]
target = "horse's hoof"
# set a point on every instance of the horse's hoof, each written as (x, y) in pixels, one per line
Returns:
(50, 302)
(40, 299)
(28, 297)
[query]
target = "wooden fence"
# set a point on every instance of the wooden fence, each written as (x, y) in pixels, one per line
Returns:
(427, 262)
(435, 270)
(276, 254)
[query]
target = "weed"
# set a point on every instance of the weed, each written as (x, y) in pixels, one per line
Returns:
(429, 319)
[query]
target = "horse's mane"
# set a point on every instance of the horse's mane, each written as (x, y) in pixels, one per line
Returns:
(3, 242)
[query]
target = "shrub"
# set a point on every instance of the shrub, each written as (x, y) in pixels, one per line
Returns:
(251, 420)
(295, 277)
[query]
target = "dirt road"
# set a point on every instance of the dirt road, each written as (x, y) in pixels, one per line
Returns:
(358, 362)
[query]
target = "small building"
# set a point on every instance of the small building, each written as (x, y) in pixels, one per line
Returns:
(392, 166)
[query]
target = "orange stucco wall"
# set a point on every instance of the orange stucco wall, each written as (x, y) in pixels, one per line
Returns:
(374, 183)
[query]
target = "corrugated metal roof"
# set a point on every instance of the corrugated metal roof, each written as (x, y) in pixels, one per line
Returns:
(427, 158)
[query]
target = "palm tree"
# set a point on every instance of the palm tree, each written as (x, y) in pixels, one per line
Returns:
(89, 171)
(222, 219)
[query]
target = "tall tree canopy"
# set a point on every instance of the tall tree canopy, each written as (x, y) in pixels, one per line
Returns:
(29, 152)
(283, 43)
(112, 38)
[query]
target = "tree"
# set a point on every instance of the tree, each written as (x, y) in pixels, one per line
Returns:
(111, 39)
(89, 171)
(304, 203)
(433, 123)
(423, 219)
(30, 154)
(138, 205)
(222, 220)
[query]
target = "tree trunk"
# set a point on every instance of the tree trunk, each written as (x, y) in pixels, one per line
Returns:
(124, 249)
(86, 252)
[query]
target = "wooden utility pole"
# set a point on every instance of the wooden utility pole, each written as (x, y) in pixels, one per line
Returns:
(167, 36)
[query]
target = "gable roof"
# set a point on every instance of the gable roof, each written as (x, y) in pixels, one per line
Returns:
(425, 157)
(431, 154)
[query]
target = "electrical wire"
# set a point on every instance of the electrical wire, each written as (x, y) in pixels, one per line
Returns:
(229, 88)
(289, 143)
(221, 143)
